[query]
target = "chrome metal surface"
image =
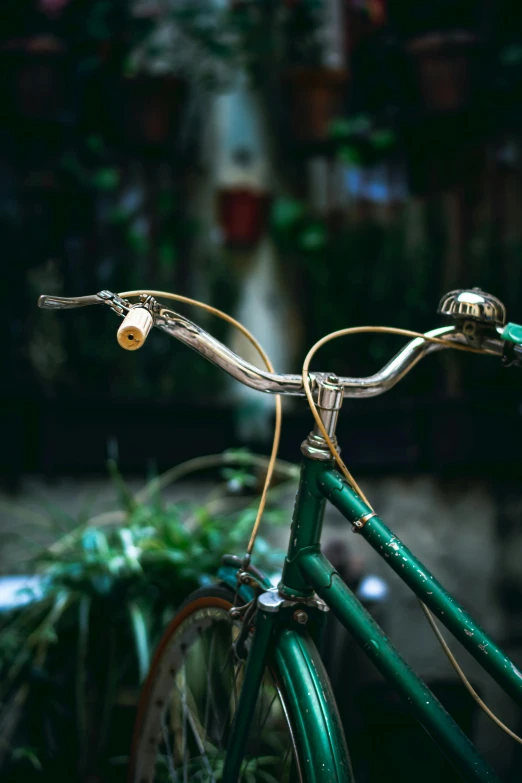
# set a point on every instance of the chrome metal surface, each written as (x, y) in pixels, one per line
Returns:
(315, 447)
(401, 364)
(359, 523)
(270, 601)
(120, 306)
(197, 338)
(329, 402)
(192, 335)
(68, 303)
(473, 305)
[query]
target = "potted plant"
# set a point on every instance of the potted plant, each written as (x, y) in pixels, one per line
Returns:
(76, 642)
(34, 75)
(316, 97)
(444, 64)
(317, 75)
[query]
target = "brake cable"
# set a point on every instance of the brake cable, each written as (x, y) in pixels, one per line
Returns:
(335, 453)
(278, 406)
(346, 473)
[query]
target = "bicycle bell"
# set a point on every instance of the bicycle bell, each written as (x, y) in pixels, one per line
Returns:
(473, 305)
(474, 311)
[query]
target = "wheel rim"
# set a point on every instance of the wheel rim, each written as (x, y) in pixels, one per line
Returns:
(189, 704)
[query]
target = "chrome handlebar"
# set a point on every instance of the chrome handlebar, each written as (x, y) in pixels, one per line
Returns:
(197, 338)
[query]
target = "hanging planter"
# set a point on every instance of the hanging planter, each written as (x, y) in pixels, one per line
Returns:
(34, 77)
(444, 64)
(242, 215)
(153, 106)
(362, 18)
(316, 98)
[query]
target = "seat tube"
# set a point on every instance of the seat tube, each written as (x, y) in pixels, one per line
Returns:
(307, 521)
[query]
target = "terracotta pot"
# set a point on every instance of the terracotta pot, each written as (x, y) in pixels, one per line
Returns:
(444, 68)
(35, 77)
(153, 107)
(242, 215)
(360, 25)
(316, 99)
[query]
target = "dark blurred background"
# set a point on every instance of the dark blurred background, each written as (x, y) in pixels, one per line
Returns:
(305, 166)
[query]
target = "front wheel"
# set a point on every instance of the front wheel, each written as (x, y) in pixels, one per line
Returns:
(190, 697)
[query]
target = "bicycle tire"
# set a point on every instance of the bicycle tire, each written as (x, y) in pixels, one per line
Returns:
(279, 746)
(203, 629)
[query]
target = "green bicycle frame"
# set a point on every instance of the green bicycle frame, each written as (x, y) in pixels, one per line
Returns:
(278, 636)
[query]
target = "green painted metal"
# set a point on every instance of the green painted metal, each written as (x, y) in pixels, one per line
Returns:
(314, 716)
(228, 575)
(425, 586)
(428, 710)
(322, 748)
(307, 525)
(254, 671)
(512, 333)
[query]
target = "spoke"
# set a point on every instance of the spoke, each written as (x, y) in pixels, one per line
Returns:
(262, 723)
(227, 713)
(287, 757)
(195, 727)
(184, 727)
(170, 758)
(209, 669)
(189, 718)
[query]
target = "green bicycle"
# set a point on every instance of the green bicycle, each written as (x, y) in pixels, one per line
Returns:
(237, 689)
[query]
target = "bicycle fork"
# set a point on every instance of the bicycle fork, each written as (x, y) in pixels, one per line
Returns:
(254, 671)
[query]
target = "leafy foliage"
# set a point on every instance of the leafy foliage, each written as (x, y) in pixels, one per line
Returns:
(107, 592)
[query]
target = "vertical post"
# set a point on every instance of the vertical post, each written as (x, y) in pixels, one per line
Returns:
(254, 671)
(307, 522)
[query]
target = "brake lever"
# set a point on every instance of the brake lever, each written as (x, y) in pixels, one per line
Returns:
(512, 356)
(120, 306)
(512, 336)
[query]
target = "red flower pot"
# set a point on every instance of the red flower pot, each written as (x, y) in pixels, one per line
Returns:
(242, 215)
(444, 66)
(153, 108)
(316, 98)
(34, 77)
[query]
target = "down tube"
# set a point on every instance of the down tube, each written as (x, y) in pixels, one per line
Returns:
(424, 585)
(427, 709)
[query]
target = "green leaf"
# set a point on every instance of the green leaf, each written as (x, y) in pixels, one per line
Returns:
(137, 241)
(313, 237)
(141, 639)
(84, 608)
(125, 495)
(511, 55)
(119, 216)
(382, 139)
(343, 128)
(94, 541)
(106, 179)
(350, 154)
(166, 203)
(28, 754)
(167, 255)
(95, 143)
(286, 212)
